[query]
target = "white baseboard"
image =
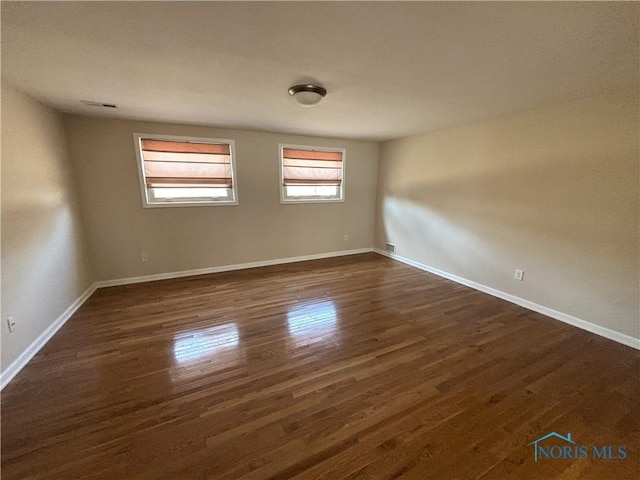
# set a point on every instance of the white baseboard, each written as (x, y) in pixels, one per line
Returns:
(549, 312)
(227, 268)
(18, 364)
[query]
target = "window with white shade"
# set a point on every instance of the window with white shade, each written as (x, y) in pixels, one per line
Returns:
(311, 174)
(185, 171)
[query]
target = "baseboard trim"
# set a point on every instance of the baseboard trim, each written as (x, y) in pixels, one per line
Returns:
(227, 268)
(549, 312)
(19, 363)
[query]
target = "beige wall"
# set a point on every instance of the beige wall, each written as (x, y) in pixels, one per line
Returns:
(44, 267)
(185, 238)
(552, 191)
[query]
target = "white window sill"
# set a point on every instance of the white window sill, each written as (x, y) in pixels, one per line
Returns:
(285, 201)
(189, 204)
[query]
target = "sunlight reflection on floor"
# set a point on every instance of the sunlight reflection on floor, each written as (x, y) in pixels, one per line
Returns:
(311, 323)
(205, 350)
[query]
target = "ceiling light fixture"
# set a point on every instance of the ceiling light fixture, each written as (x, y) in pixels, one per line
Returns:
(307, 95)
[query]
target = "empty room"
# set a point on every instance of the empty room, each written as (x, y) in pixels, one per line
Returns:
(320, 240)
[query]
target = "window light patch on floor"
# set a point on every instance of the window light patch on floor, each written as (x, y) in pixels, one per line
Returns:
(313, 322)
(205, 343)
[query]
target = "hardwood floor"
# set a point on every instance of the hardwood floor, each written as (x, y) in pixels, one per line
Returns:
(353, 367)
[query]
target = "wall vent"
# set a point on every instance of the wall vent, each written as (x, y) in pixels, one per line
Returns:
(89, 103)
(391, 247)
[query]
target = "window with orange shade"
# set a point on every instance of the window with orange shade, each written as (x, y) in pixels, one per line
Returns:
(311, 174)
(179, 171)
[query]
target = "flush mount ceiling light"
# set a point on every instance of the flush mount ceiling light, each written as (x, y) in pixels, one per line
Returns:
(307, 95)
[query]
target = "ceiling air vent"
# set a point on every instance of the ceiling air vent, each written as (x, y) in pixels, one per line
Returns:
(391, 248)
(89, 103)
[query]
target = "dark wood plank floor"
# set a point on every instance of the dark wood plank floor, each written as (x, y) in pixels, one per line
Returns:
(354, 367)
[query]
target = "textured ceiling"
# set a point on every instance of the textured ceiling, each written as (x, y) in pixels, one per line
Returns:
(391, 69)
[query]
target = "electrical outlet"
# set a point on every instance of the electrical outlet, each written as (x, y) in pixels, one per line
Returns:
(144, 257)
(346, 237)
(519, 275)
(11, 324)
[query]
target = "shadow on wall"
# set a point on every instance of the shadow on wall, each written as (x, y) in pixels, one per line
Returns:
(560, 214)
(45, 226)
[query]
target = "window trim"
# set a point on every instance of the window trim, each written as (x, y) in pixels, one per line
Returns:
(298, 200)
(150, 203)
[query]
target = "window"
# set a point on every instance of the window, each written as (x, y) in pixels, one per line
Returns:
(311, 174)
(183, 171)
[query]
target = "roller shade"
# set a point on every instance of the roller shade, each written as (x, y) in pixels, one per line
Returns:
(311, 167)
(177, 164)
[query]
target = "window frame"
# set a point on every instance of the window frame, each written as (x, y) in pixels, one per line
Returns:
(149, 202)
(284, 199)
